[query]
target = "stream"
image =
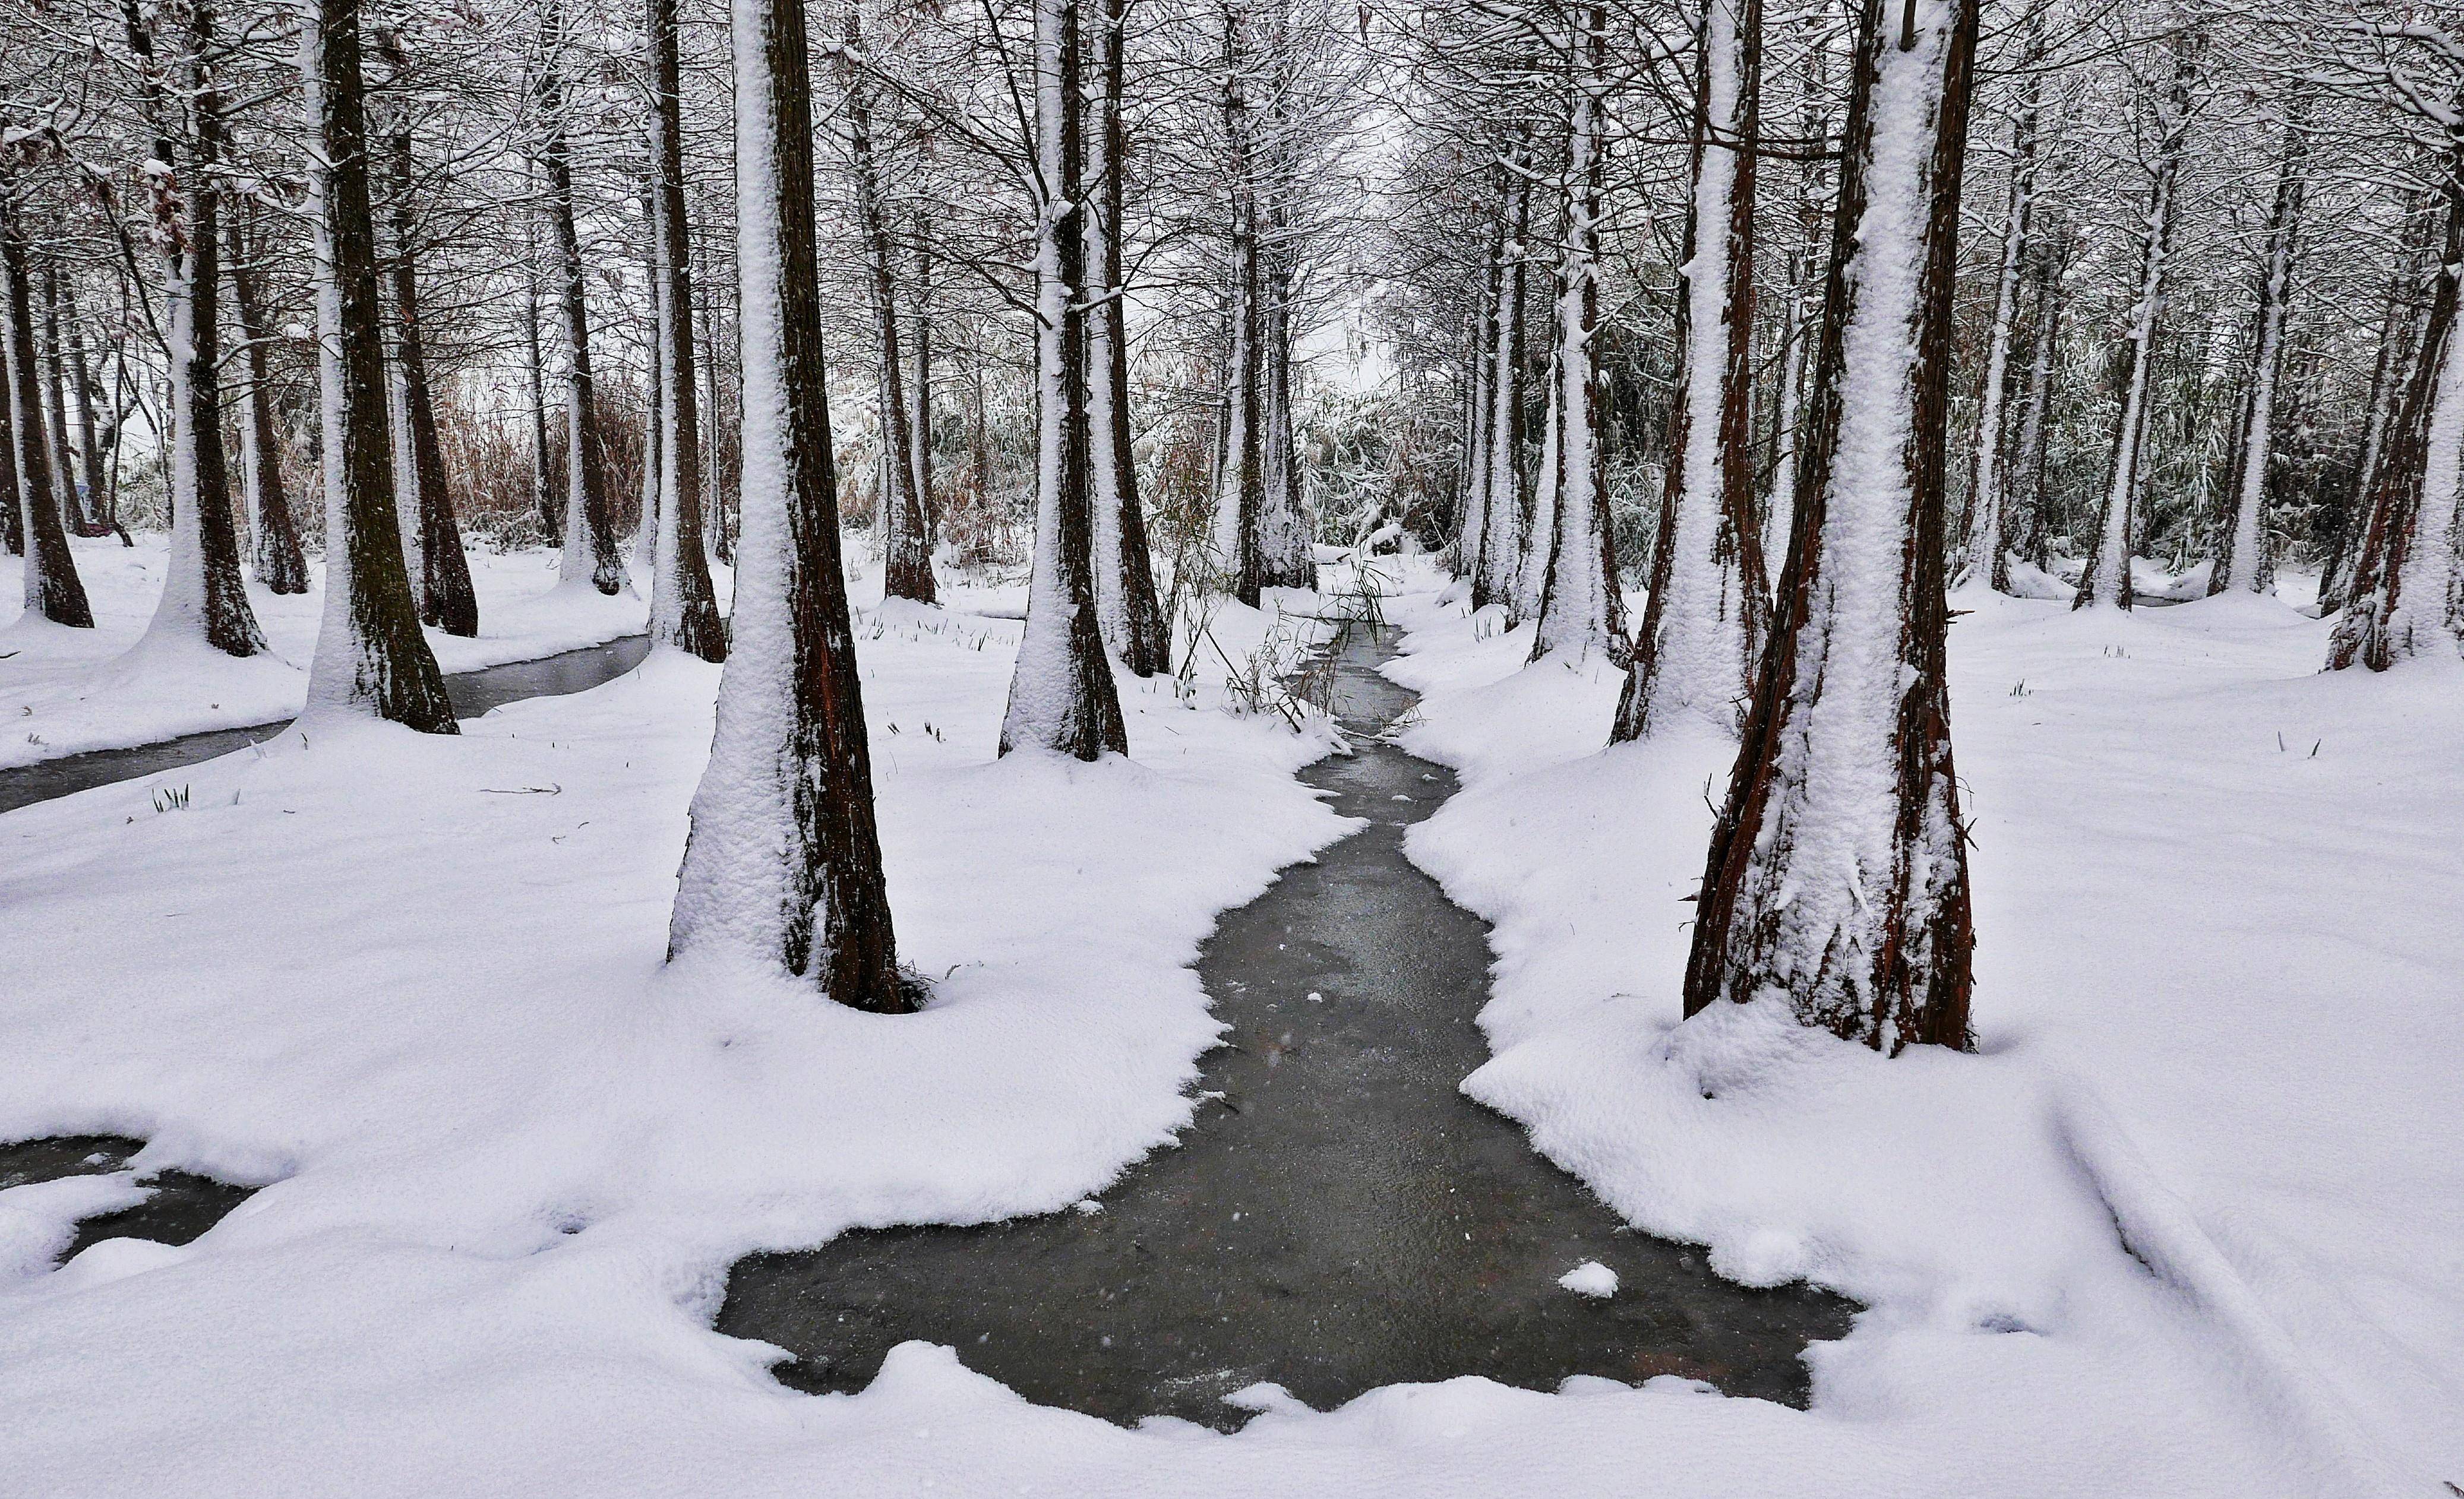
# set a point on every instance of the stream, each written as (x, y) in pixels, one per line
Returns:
(1338, 1216)
(473, 693)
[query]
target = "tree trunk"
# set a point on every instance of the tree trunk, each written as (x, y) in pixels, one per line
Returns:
(1240, 478)
(2399, 355)
(81, 391)
(2105, 580)
(1285, 559)
(280, 566)
(1837, 877)
(684, 609)
(1127, 607)
(446, 599)
(590, 549)
(2242, 560)
(2023, 492)
(1061, 697)
(13, 519)
(1804, 261)
(1986, 558)
(53, 589)
(1479, 370)
(1500, 543)
(1709, 612)
(551, 514)
(204, 596)
(372, 657)
(2403, 584)
(1580, 610)
(782, 865)
(919, 382)
(907, 540)
(77, 509)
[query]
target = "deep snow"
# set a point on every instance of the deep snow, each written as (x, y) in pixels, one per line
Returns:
(414, 984)
(2193, 1222)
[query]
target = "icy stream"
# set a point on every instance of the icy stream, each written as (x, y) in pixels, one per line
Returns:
(1339, 1217)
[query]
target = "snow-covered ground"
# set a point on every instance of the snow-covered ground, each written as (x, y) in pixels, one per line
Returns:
(2192, 1225)
(2193, 1222)
(64, 691)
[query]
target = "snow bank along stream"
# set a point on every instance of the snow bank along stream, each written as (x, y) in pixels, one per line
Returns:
(473, 693)
(1340, 1216)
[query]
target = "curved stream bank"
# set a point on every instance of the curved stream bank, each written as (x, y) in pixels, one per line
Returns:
(473, 693)
(1338, 1216)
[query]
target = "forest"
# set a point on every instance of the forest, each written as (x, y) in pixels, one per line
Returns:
(1232, 746)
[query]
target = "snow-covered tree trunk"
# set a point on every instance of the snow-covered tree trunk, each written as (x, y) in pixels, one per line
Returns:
(684, 610)
(1061, 695)
(905, 540)
(1804, 266)
(1704, 625)
(1480, 365)
(644, 554)
(1837, 877)
(2391, 373)
(1240, 483)
(2105, 580)
(2023, 487)
(543, 499)
(372, 657)
(280, 564)
(79, 510)
(1540, 526)
(919, 380)
(2403, 600)
(1284, 557)
(1503, 498)
(53, 591)
(443, 575)
(2242, 562)
(97, 502)
(13, 517)
(1988, 560)
(204, 598)
(591, 551)
(1127, 610)
(1580, 610)
(782, 864)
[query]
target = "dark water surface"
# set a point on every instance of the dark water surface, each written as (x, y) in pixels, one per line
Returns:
(183, 1206)
(1341, 1217)
(473, 693)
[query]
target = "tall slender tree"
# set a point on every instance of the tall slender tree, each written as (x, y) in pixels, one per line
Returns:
(683, 609)
(2243, 562)
(1126, 604)
(1988, 561)
(281, 566)
(906, 539)
(372, 657)
(204, 594)
(1062, 697)
(443, 578)
(53, 591)
(1704, 624)
(783, 862)
(1504, 498)
(1580, 610)
(2105, 580)
(1837, 877)
(591, 546)
(2402, 603)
